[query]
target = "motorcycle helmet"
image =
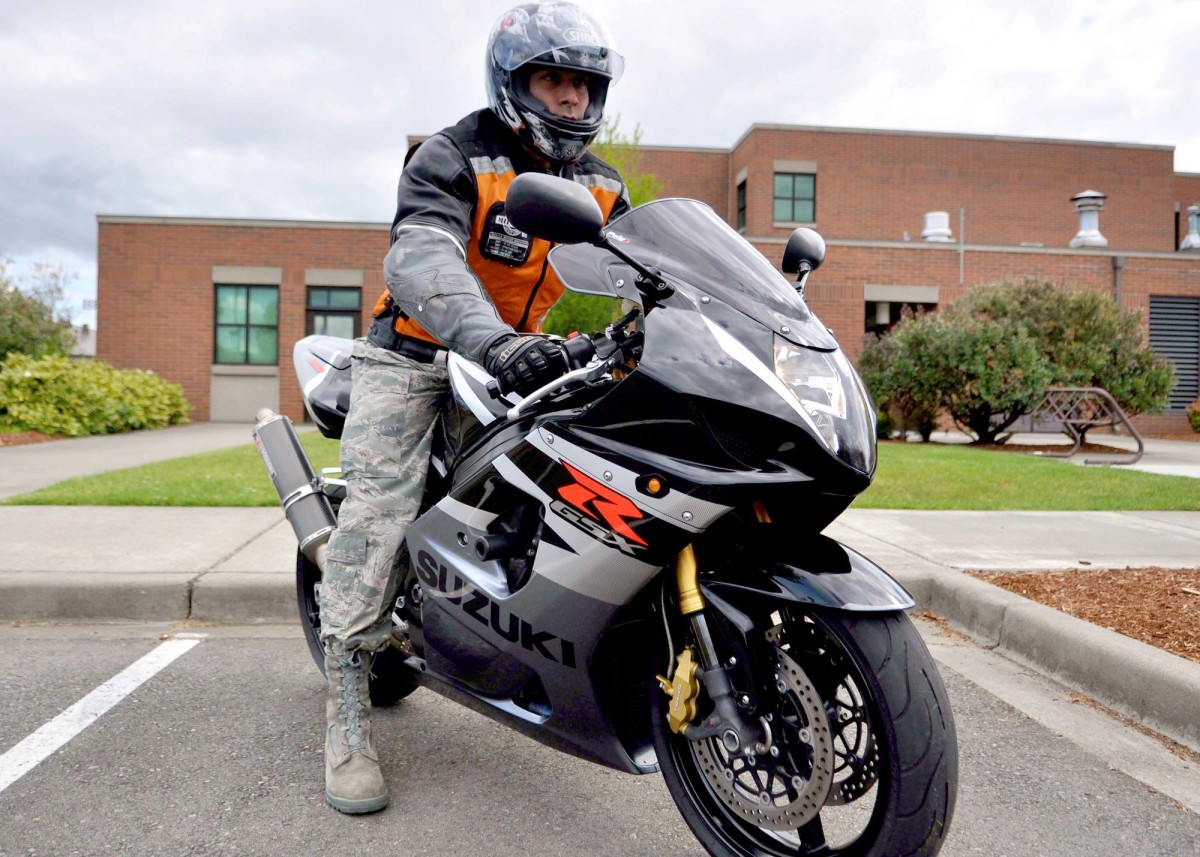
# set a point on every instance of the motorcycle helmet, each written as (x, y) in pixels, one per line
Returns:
(549, 35)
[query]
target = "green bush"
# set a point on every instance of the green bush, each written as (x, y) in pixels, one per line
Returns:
(583, 313)
(1087, 338)
(897, 385)
(1193, 413)
(55, 395)
(985, 373)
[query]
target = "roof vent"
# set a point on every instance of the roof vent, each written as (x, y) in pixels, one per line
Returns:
(1191, 241)
(1088, 205)
(937, 227)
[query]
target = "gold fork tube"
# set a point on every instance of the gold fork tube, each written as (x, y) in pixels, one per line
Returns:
(690, 599)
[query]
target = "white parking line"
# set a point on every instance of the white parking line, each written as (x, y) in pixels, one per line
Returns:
(22, 758)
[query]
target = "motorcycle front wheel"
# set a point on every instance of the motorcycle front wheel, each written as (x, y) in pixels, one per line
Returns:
(864, 759)
(390, 679)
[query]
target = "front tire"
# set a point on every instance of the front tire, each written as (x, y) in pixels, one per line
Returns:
(895, 770)
(391, 680)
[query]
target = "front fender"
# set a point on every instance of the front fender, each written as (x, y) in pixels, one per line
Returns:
(822, 572)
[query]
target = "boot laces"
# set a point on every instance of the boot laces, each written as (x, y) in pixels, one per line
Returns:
(352, 707)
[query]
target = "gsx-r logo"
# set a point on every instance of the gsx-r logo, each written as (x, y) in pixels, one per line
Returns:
(593, 505)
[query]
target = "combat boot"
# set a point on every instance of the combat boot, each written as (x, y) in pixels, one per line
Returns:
(353, 781)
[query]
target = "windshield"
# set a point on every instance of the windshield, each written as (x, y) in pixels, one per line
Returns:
(685, 240)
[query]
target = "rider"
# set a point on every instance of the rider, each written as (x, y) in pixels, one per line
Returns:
(459, 277)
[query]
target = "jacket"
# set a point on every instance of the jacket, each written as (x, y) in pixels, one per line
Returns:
(458, 274)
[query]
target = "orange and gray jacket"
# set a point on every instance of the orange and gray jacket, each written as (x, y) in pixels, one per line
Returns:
(458, 274)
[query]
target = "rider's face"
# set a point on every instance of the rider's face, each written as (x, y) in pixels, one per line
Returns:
(564, 93)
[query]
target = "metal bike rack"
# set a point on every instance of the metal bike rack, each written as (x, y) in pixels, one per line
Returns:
(1075, 410)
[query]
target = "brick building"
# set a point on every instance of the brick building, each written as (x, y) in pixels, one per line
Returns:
(909, 219)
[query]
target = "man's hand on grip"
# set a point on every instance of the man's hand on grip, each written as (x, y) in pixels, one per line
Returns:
(522, 364)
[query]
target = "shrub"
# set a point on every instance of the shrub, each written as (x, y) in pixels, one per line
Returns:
(55, 395)
(1193, 413)
(1087, 338)
(897, 386)
(583, 313)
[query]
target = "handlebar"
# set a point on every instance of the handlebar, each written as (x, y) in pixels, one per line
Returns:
(591, 358)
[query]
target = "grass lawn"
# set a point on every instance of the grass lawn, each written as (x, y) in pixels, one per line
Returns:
(229, 477)
(955, 476)
(910, 476)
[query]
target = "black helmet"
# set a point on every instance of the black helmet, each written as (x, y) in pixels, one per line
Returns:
(549, 35)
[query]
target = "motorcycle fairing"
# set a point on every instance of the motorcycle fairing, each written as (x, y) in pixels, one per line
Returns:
(826, 574)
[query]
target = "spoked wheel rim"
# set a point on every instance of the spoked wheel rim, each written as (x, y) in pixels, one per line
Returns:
(850, 800)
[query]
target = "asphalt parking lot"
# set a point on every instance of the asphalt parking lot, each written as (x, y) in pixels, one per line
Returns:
(219, 752)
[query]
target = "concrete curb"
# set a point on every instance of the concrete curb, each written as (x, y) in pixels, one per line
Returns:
(1156, 688)
(29, 596)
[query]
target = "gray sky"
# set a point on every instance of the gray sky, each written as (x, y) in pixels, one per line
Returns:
(298, 110)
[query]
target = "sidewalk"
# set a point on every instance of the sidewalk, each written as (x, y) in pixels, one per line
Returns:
(67, 564)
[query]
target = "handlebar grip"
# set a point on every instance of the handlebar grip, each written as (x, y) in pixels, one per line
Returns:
(579, 350)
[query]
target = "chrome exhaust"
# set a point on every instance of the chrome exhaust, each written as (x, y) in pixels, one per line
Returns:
(305, 505)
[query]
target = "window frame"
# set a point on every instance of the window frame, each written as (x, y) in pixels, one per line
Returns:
(248, 288)
(311, 312)
(793, 199)
(740, 206)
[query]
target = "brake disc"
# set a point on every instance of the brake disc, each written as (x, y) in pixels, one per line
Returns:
(786, 791)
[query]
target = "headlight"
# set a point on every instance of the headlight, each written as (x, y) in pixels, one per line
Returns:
(833, 397)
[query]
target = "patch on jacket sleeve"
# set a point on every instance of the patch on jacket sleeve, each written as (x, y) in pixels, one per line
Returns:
(501, 241)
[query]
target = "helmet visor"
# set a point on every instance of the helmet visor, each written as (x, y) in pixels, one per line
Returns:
(559, 34)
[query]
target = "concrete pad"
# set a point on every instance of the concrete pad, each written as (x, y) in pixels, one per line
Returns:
(56, 539)
(1034, 540)
(110, 597)
(245, 597)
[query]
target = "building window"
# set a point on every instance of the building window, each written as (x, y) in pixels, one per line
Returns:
(334, 311)
(741, 205)
(247, 325)
(1175, 334)
(795, 198)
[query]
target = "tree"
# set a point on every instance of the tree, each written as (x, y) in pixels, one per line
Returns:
(33, 318)
(1088, 340)
(588, 313)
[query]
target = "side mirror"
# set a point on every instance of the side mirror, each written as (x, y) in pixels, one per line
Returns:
(805, 251)
(553, 208)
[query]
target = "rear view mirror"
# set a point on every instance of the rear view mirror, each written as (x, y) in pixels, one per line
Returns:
(553, 208)
(805, 252)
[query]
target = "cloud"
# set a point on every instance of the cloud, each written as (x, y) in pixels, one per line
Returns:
(300, 109)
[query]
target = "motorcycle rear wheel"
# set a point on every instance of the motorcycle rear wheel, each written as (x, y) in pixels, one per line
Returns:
(390, 679)
(896, 756)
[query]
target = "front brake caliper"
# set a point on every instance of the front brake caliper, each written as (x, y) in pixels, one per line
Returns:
(684, 690)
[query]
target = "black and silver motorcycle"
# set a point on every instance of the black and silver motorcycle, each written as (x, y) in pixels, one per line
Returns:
(628, 565)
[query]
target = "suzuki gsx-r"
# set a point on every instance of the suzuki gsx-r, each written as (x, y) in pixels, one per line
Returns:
(627, 564)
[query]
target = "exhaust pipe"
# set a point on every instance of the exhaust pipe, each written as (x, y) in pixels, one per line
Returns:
(304, 504)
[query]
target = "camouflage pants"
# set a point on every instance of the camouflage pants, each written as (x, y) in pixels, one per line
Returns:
(396, 407)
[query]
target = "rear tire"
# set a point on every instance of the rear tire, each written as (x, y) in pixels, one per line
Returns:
(391, 680)
(893, 795)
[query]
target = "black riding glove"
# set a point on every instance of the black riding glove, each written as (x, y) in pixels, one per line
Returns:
(522, 364)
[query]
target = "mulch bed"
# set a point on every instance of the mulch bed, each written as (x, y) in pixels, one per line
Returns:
(1159, 606)
(21, 438)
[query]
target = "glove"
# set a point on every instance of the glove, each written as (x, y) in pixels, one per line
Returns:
(521, 364)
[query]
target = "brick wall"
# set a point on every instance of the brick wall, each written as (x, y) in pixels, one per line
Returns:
(876, 186)
(157, 299)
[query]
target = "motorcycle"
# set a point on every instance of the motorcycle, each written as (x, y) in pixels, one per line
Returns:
(627, 564)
